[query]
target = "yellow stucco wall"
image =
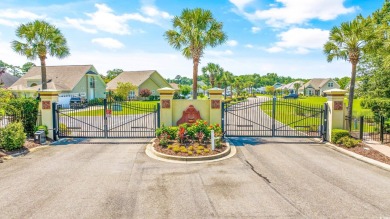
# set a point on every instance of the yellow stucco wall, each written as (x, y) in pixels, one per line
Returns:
(151, 85)
(203, 106)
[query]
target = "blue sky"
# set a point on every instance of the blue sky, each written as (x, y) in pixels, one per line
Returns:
(282, 36)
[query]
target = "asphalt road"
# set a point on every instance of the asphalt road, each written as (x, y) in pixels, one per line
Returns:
(288, 178)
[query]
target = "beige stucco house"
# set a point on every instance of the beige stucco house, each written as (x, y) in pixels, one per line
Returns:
(70, 80)
(317, 86)
(150, 79)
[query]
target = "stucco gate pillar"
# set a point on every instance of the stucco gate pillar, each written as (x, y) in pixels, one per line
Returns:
(215, 105)
(336, 110)
(166, 97)
(48, 97)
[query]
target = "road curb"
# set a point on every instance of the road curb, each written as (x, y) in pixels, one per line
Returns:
(358, 156)
(11, 156)
(229, 152)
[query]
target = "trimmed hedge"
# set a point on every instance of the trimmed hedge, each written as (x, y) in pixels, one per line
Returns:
(337, 134)
(12, 136)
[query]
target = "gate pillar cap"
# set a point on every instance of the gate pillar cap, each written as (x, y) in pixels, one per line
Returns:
(166, 90)
(215, 91)
(335, 92)
(49, 92)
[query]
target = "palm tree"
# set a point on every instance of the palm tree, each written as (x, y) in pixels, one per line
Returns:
(193, 31)
(211, 71)
(348, 42)
(226, 79)
(296, 87)
(40, 38)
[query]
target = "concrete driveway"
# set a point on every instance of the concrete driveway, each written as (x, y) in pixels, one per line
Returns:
(267, 178)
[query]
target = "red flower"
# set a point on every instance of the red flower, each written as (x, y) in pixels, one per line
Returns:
(217, 125)
(205, 122)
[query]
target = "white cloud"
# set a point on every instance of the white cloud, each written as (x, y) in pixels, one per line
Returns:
(219, 53)
(255, 29)
(292, 12)
(109, 43)
(241, 4)
(105, 19)
(152, 11)
(19, 14)
(232, 43)
(250, 46)
(12, 18)
(300, 40)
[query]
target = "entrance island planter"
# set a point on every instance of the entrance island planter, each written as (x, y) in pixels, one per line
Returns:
(189, 142)
(155, 149)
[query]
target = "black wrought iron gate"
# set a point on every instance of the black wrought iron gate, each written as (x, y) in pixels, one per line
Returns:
(108, 119)
(273, 117)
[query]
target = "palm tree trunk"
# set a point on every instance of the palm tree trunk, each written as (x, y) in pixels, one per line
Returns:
(195, 78)
(351, 94)
(43, 73)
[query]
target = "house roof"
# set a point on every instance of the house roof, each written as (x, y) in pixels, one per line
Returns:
(290, 86)
(316, 83)
(7, 79)
(134, 77)
(62, 78)
(174, 86)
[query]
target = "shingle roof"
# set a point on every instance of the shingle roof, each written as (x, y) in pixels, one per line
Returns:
(134, 77)
(7, 79)
(290, 86)
(316, 82)
(62, 78)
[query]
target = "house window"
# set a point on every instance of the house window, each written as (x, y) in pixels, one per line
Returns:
(92, 82)
(153, 92)
(310, 93)
(33, 84)
(330, 84)
(132, 94)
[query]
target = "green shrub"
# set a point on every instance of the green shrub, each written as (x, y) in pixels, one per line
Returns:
(380, 107)
(348, 142)
(338, 133)
(42, 127)
(28, 108)
(12, 136)
(170, 131)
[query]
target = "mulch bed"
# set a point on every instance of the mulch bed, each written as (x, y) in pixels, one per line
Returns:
(28, 144)
(369, 152)
(165, 150)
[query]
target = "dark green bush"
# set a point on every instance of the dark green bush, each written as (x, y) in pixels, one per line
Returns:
(28, 108)
(380, 107)
(338, 133)
(348, 142)
(170, 131)
(96, 101)
(12, 136)
(42, 127)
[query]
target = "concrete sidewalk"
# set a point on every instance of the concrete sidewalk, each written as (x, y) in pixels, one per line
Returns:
(384, 149)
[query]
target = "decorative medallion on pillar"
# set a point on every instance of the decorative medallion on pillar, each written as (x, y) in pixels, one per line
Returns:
(190, 115)
(165, 104)
(215, 104)
(46, 104)
(338, 105)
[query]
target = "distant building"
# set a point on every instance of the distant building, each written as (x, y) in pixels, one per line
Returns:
(317, 86)
(291, 87)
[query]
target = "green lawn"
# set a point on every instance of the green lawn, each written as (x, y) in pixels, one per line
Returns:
(296, 113)
(128, 108)
(288, 114)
